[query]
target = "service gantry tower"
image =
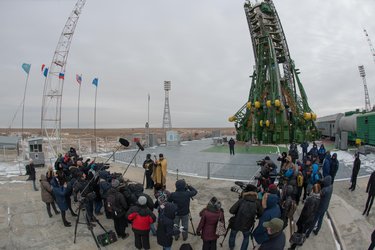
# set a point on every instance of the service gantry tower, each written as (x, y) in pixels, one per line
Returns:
(362, 73)
(277, 110)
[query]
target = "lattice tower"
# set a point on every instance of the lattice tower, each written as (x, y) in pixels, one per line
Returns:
(54, 83)
(370, 44)
(167, 122)
(362, 73)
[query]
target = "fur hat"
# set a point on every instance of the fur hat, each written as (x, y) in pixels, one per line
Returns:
(115, 183)
(142, 200)
(215, 203)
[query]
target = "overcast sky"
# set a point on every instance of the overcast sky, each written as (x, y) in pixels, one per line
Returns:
(202, 46)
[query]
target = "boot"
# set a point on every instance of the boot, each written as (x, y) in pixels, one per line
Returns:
(73, 214)
(49, 210)
(67, 224)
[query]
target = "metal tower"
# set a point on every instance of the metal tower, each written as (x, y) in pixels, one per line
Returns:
(277, 110)
(362, 73)
(167, 123)
(54, 83)
(370, 44)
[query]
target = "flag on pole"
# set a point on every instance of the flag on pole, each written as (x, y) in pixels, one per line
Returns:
(26, 67)
(95, 82)
(44, 70)
(148, 96)
(79, 78)
(61, 75)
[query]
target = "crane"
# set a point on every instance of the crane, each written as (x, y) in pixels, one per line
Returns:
(370, 44)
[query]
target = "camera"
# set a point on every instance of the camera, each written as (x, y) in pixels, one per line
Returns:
(243, 187)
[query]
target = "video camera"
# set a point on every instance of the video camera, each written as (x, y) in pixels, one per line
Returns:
(243, 188)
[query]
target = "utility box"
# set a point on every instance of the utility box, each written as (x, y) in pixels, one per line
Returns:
(173, 138)
(36, 151)
(344, 141)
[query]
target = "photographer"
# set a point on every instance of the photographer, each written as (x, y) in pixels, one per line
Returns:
(268, 172)
(182, 198)
(245, 211)
(83, 187)
(117, 207)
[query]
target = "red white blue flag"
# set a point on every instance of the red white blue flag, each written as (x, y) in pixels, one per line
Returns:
(79, 78)
(44, 70)
(61, 75)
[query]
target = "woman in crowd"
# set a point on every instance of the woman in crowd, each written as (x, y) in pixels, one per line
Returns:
(46, 192)
(210, 216)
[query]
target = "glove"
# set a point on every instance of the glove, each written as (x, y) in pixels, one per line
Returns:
(181, 229)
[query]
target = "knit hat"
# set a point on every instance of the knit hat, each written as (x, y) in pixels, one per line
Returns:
(115, 183)
(275, 224)
(272, 188)
(142, 200)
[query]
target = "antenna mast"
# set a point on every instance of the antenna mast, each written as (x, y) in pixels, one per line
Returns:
(370, 44)
(362, 73)
(54, 83)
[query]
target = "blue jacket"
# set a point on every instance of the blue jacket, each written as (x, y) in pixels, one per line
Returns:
(315, 177)
(59, 192)
(275, 242)
(272, 211)
(327, 165)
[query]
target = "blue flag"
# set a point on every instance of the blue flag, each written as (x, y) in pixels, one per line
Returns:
(45, 72)
(26, 67)
(95, 82)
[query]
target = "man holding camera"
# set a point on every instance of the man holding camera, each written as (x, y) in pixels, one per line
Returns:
(181, 197)
(245, 211)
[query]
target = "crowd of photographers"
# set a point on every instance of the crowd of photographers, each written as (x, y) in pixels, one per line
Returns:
(272, 200)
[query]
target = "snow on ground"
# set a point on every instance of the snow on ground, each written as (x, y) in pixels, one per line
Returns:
(12, 169)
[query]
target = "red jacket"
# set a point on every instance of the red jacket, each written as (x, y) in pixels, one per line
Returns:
(141, 220)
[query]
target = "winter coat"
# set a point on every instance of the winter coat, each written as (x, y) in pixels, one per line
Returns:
(325, 194)
(370, 189)
(307, 215)
(208, 223)
(182, 197)
(289, 205)
(32, 173)
(304, 147)
(274, 242)
(166, 228)
(356, 166)
(245, 211)
(327, 165)
(141, 218)
(293, 152)
(59, 192)
(231, 143)
(322, 153)
(45, 189)
(334, 167)
(148, 165)
(313, 151)
(315, 175)
(272, 211)
(159, 174)
(120, 205)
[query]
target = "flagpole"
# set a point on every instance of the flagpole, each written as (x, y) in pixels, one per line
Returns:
(24, 97)
(148, 120)
(79, 97)
(96, 93)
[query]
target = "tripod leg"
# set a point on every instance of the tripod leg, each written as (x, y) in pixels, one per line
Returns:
(90, 227)
(192, 225)
(225, 236)
(77, 221)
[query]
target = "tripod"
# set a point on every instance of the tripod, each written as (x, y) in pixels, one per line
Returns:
(89, 224)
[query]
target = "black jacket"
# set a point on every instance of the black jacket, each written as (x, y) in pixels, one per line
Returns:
(356, 166)
(182, 197)
(371, 185)
(31, 171)
(166, 228)
(245, 211)
(308, 213)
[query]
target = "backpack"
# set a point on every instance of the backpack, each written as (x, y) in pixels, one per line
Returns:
(111, 206)
(299, 180)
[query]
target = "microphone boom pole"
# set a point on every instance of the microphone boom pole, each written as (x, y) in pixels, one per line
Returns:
(140, 148)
